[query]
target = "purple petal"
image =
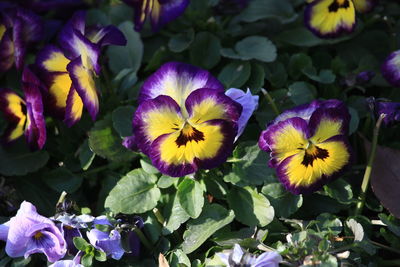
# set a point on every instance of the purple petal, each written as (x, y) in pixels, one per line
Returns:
(36, 128)
(109, 243)
(329, 19)
(391, 109)
(66, 263)
(268, 259)
(83, 82)
(6, 50)
(249, 104)
(177, 80)
(109, 35)
(391, 68)
(4, 228)
(130, 143)
(102, 220)
(163, 13)
(48, 243)
(69, 233)
(134, 244)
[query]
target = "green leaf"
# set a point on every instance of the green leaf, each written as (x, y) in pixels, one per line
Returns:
(80, 243)
(180, 42)
(328, 222)
(213, 218)
(354, 121)
(282, 10)
(257, 78)
(250, 207)
(392, 223)
(340, 190)
(297, 63)
(250, 166)
(235, 74)
(86, 155)
(106, 143)
(257, 47)
(148, 167)
(100, 255)
(190, 195)
(87, 260)
(181, 258)
(302, 92)
(174, 215)
(134, 193)
(166, 181)
(62, 179)
(129, 56)
(205, 50)
(324, 76)
(122, 120)
(284, 203)
(21, 163)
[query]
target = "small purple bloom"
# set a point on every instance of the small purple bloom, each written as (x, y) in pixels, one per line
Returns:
(110, 243)
(28, 232)
(160, 12)
(249, 103)
(75, 262)
(391, 68)
(238, 257)
(390, 109)
(364, 77)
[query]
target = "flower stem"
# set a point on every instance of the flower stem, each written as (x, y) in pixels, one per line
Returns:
(159, 216)
(143, 239)
(271, 101)
(368, 169)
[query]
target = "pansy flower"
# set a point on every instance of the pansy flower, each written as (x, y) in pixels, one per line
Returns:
(330, 18)
(68, 70)
(308, 145)
(160, 12)
(25, 116)
(184, 120)
(390, 109)
(110, 243)
(19, 28)
(391, 68)
(28, 232)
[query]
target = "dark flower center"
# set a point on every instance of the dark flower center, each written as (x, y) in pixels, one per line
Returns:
(312, 153)
(189, 133)
(337, 4)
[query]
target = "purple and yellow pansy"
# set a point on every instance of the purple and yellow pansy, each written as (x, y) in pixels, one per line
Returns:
(68, 70)
(19, 28)
(160, 12)
(184, 121)
(25, 116)
(308, 145)
(330, 18)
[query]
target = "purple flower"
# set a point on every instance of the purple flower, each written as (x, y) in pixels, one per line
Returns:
(391, 68)
(308, 145)
(364, 77)
(238, 257)
(184, 121)
(249, 104)
(69, 70)
(28, 233)
(390, 109)
(110, 243)
(160, 12)
(25, 116)
(19, 28)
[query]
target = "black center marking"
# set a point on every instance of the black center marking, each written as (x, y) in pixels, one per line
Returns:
(335, 6)
(319, 153)
(194, 134)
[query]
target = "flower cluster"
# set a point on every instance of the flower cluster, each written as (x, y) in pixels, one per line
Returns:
(308, 145)
(330, 18)
(60, 82)
(29, 232)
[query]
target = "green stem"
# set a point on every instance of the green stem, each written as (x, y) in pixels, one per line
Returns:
(271, 101)
(368, 169)
(143, 238)
(385, 247)
(62, 198)
(102, 168)
(159, 216)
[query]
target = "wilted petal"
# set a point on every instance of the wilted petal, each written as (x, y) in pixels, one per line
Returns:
(249, 104)
(330, 18)
(109, 243)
